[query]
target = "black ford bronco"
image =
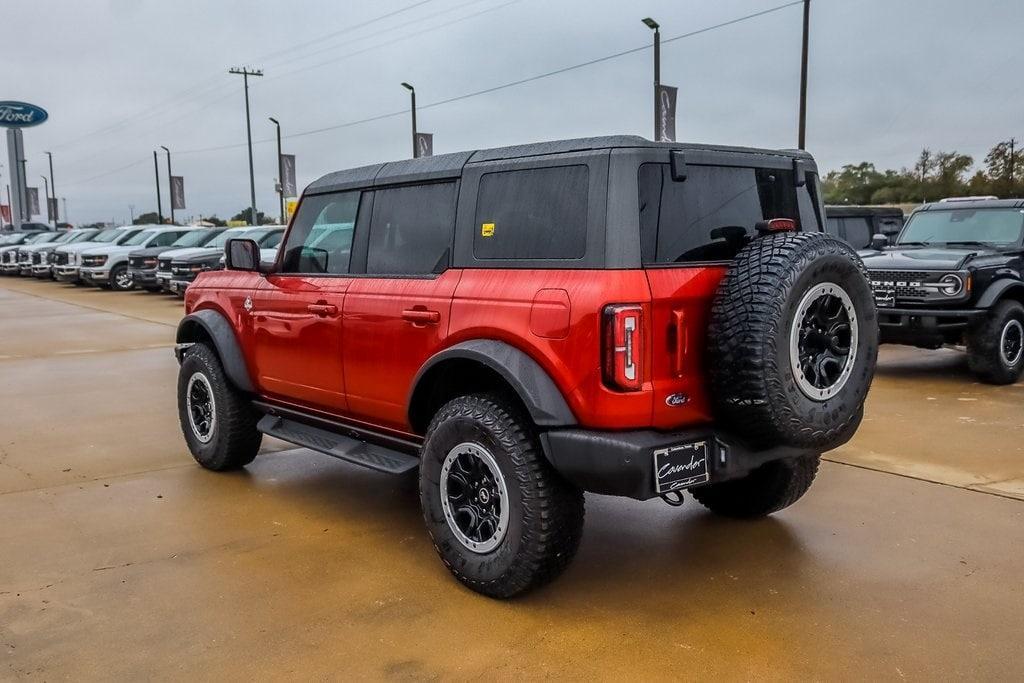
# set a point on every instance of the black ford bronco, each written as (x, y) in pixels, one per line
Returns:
(954, 276)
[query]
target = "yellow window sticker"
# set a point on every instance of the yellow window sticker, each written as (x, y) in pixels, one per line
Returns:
(487, 230)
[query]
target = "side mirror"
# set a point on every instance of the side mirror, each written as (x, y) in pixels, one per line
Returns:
(242, 254)
(879, 241)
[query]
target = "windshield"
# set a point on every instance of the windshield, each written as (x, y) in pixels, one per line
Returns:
(44, 237)
(951, 226)
(80, 236)
(9, 239)
(138, 239)
(194, 238)
(220, 240)
(108, 235)
(270, 240)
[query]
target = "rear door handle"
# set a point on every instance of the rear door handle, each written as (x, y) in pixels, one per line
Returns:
(322, 309)
(421, 316)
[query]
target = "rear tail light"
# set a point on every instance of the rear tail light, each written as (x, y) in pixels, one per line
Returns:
(777, 225)
(623, 347)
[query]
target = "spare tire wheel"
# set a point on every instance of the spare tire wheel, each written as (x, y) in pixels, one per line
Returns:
(792, 342)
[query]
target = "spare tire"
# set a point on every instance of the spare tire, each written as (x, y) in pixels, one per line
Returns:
(792, 342)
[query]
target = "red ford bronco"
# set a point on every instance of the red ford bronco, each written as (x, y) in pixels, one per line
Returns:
(525, 324)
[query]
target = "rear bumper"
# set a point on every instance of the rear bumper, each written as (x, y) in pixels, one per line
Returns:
(622, 463)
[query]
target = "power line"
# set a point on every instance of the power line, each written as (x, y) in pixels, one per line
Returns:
(503, 86)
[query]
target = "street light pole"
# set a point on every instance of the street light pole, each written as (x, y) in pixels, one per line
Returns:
(53, 189)
(802, 137)
(654, 26)
(245, 73)
(159, 208)
(280, 167)
(412, 95)
(170, 183)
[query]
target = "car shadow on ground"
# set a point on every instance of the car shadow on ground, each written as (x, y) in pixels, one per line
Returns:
(941, 365)
(628, 546)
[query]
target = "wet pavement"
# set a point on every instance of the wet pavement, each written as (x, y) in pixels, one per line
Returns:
(119, 558)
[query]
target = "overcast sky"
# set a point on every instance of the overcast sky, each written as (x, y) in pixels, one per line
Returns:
(122, 77)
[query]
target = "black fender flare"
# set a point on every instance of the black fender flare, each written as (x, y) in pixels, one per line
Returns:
(533, 385)
(217, 328)
(996, 291)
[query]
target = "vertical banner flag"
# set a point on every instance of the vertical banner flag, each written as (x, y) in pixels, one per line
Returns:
(177, 192)
(290, 205)
(666, 98)
(32, 199)
(5, 213)
(51, 209)
(424, 144)
(288, 172)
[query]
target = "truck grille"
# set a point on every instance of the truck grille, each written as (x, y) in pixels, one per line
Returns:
(93, 260)
(905, 284)
(37, 258)
(58, 259)
(137, 261)
(10, 256)
(164, 264)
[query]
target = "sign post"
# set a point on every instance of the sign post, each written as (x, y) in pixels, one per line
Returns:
(14, 116)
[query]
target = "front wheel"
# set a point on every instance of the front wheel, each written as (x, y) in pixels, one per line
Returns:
(501, 518)
(120, 278)
(995, 348)
(217, 420)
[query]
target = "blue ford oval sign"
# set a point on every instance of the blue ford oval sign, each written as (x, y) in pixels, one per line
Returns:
(21, 115)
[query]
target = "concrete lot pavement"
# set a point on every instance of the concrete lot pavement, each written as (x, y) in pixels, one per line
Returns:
(119, 558)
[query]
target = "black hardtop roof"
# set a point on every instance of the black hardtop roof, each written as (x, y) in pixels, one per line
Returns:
(847, 210)
(450, 165)
(973, 204)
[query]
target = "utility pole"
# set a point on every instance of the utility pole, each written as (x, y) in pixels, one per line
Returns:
(802, 137)
(159, 208)
(170, 183)
(245, 73)
(280, 167)
(656, 27)
(412, 94)
(131, 212)
(53, 189)
(65, 202)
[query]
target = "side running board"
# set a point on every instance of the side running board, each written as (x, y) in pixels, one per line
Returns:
(343, 447)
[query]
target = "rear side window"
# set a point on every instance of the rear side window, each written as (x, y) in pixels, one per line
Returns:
(411, 230)
(712, 214)
(320, 240)
(538, 213)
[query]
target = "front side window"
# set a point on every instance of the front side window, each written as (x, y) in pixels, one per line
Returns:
(1000, 227)
(712, 214)
(537, 213)
(411, 229)
(320, 240)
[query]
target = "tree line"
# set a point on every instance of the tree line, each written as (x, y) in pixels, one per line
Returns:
(935, 175)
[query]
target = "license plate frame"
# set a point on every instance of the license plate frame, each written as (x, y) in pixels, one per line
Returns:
(682, 465)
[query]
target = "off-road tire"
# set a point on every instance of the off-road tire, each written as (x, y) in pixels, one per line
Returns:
(234, 441)
(546, 512)
(753, 385)
(985, 355)
(771, 487)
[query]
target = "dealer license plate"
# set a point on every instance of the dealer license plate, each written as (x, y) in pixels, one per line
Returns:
(682, 466)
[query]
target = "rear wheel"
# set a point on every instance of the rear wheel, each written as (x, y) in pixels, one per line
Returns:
(995, 349)
(502, 520)
(217, 420)
(770, 488)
